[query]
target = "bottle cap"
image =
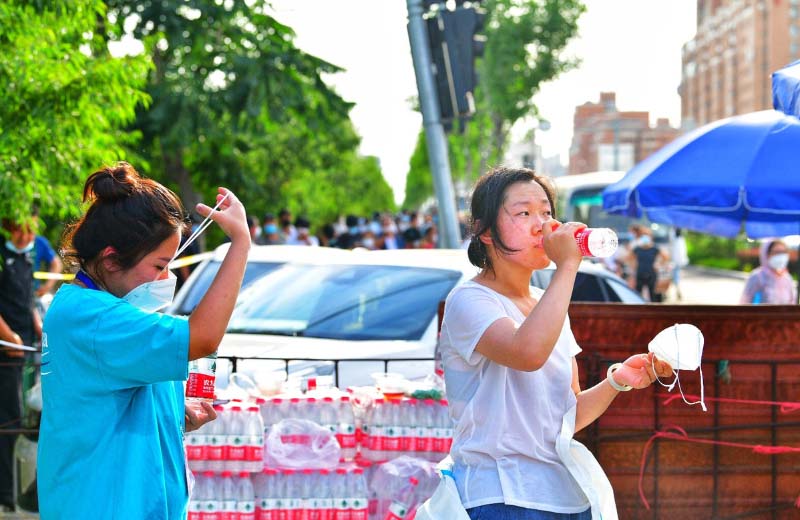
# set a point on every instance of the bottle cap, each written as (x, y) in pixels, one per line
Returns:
(341, 471)
(413, 481)
(227, 473)
(244, 474)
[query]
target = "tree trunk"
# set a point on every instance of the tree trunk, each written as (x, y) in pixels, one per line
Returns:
(498, 136)
(176, 172)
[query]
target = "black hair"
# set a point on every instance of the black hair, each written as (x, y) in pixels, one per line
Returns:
(488, 196)
(129, 213)
(772, 245)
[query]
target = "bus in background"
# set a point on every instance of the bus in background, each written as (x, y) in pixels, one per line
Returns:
(580, 199)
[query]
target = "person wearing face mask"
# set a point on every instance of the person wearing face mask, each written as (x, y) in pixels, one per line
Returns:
(114, 415)
(509, 364)
(303, 236)
(19, 325)
(771, 283)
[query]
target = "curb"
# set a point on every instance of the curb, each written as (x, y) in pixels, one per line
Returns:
(714, 271)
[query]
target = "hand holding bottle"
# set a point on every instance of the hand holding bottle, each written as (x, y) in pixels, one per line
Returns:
(197, 413)
(559, 242)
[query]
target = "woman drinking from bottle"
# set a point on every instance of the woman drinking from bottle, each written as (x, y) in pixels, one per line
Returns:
(509, 362)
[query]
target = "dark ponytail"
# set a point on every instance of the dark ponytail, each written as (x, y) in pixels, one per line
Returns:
(129, 213)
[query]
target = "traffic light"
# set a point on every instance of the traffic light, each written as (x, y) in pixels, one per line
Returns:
(455, 45)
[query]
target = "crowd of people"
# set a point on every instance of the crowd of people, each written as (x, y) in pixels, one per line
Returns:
(383, 230)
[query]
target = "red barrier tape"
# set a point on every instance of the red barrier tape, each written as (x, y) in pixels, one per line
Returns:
(786, 406)
(681, 435)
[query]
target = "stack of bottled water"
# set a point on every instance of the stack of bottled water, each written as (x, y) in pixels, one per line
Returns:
(233, 442)
(392, 428)
(307, 494)
(332, 412)
(222, 496)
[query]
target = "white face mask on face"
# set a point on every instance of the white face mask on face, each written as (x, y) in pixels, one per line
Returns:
(158, 294)
(778, 262)
(153, 296)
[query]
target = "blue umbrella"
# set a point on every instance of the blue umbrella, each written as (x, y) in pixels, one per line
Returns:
(786, 89)
(744, 170)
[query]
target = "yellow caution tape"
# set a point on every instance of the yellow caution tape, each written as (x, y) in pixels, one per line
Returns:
(189, 260)
(43, 275)
(180, 262)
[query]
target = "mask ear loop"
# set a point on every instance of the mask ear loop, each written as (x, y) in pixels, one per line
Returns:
(202, 227)
(677, 380)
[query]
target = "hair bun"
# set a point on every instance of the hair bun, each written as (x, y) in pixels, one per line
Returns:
(111, 183)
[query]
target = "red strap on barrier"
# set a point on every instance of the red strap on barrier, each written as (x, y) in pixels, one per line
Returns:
(679, 434)
(786, 406)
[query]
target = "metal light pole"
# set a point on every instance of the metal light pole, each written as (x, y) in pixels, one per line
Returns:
(434, 131)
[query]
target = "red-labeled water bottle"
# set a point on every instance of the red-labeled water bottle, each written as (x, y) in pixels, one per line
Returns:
(202, 375)
(596, 242)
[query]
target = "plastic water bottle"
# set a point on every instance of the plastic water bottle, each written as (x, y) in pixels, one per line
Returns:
(404, 501)
(245, 498)
(346, 434)
(595, 242)
(226, 490)
(235, 440)
(210, 503)
(202, 375)
(216, 447)
(254, 440)
(358, 495)
(323, 494)
(339, 494)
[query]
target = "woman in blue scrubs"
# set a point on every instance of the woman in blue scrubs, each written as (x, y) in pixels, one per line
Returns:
(111, 440)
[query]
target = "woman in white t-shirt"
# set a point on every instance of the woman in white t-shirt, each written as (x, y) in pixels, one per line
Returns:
(509, 360)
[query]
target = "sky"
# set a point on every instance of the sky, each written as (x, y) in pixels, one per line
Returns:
(632, 47)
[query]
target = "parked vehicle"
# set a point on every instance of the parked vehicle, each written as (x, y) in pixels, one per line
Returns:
(593, 283)
(343, 315)
(260, 261)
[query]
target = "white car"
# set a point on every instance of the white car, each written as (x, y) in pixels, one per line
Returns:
(260, 261)
(345, 316)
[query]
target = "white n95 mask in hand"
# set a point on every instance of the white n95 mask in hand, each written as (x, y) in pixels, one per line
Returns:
(153, 296)
(682, 347)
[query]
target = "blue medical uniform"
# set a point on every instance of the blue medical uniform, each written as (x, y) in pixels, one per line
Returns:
(111, 436)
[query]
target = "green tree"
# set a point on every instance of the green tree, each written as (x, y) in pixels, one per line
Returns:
(235, 102)
(64, 102)
(525, 41)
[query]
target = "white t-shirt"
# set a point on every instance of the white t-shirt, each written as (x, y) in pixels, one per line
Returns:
(506, 420)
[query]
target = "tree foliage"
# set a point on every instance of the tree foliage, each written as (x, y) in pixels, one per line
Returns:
(64, 101)
(236, 103)
(525, 41)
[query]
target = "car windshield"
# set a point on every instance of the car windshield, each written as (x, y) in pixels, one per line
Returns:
(253, 271)
(349, 302)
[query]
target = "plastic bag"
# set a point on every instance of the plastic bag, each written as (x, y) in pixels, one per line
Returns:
(445, 502)
(390, 477)
(298, 443)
